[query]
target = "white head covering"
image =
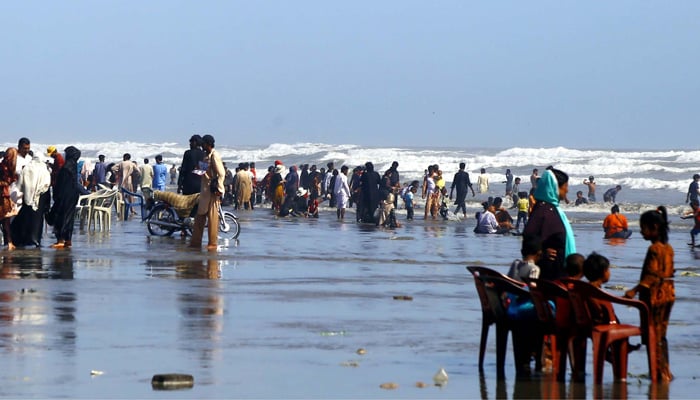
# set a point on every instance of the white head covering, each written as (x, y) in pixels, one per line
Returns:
(34, 180)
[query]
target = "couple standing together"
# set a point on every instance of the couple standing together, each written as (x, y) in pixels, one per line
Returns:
(211, 190)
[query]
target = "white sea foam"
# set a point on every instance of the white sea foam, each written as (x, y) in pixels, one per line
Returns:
(643, 175)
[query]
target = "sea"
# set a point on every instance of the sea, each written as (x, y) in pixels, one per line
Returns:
(324, 308)
(648, 178)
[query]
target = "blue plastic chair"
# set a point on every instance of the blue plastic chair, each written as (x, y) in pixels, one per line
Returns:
(132, 200)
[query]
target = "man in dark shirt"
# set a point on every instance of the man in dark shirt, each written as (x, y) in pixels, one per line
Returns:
(693, 190)
(463, 184)
(610, 195)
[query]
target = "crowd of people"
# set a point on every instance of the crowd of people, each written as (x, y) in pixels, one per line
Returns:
(34, 191)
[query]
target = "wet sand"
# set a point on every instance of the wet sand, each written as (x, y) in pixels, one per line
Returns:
(282, 312)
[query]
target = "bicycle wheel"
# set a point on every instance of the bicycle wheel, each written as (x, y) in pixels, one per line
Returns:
(229, 228)
(159, 223)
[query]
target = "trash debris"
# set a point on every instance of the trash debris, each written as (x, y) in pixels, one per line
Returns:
(389, 386)
(690, 273)
(172, 381)
(421, 385)
(440, 377)
(333, 333)
(361, 351)
(406, 298)
(353, 364)
(95, 372)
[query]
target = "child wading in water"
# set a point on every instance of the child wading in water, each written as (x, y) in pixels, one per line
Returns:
(655, 286)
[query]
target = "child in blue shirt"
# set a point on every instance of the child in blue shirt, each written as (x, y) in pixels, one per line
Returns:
(408, 199)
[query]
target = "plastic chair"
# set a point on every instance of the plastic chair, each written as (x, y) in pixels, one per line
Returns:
(101, 210)
(585, 299)
(132, 200)
(490, 285)
(554, 310)
(82, 209)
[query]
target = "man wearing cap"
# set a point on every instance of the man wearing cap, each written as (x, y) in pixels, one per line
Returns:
(57, 163)
(211, 189)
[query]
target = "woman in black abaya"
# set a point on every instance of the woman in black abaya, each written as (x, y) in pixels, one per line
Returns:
(66, 193)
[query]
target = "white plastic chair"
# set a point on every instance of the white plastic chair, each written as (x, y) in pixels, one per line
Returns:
(82, 209)
(100, 210)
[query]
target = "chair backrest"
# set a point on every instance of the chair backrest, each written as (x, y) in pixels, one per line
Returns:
(583, 296)
(85, 199)
(105, 199)
(477, 272)
(134, 195)
(552, 303)
(110, 198)
(497, 290)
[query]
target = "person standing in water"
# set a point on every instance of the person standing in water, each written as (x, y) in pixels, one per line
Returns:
(549, 222)
(211, 189)
(591, 188)
(482, 182)
(655, 287)
(462, 183)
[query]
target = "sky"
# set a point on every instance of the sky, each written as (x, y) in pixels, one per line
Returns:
(579, 74)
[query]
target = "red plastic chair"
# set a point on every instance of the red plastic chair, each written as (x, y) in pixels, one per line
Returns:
(490, 285)
(553, 307)
(613, 335)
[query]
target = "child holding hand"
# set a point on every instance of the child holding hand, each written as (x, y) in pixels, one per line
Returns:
(655, 285)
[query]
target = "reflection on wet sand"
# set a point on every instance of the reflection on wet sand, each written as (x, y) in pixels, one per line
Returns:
(546, 388)
(616, 241)
(21, 264)
(201, 308)
(26, 312)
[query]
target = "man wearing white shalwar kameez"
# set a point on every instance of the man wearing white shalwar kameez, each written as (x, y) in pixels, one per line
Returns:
(342, 191)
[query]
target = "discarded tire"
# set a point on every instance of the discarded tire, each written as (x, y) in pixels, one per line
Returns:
(172, 381)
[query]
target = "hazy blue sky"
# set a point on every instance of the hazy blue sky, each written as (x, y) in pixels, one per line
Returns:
(607, 74)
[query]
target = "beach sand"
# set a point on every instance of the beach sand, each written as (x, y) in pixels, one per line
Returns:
(283, 312)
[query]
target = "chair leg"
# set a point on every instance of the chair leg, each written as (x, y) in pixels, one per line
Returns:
(482, 345)
(577, 350)
(652, 357)
(598, 358)
(620, 354)
(560, 352)
(501, 344)
(554, 353)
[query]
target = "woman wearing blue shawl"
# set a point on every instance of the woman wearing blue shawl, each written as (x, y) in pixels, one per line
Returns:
(549, 222)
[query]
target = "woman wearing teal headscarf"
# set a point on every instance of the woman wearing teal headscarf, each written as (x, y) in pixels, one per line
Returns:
(549, 222)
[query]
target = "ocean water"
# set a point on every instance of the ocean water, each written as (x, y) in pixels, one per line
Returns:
(281, 312)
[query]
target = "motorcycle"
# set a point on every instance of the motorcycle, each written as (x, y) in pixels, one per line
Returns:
(171, 211)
